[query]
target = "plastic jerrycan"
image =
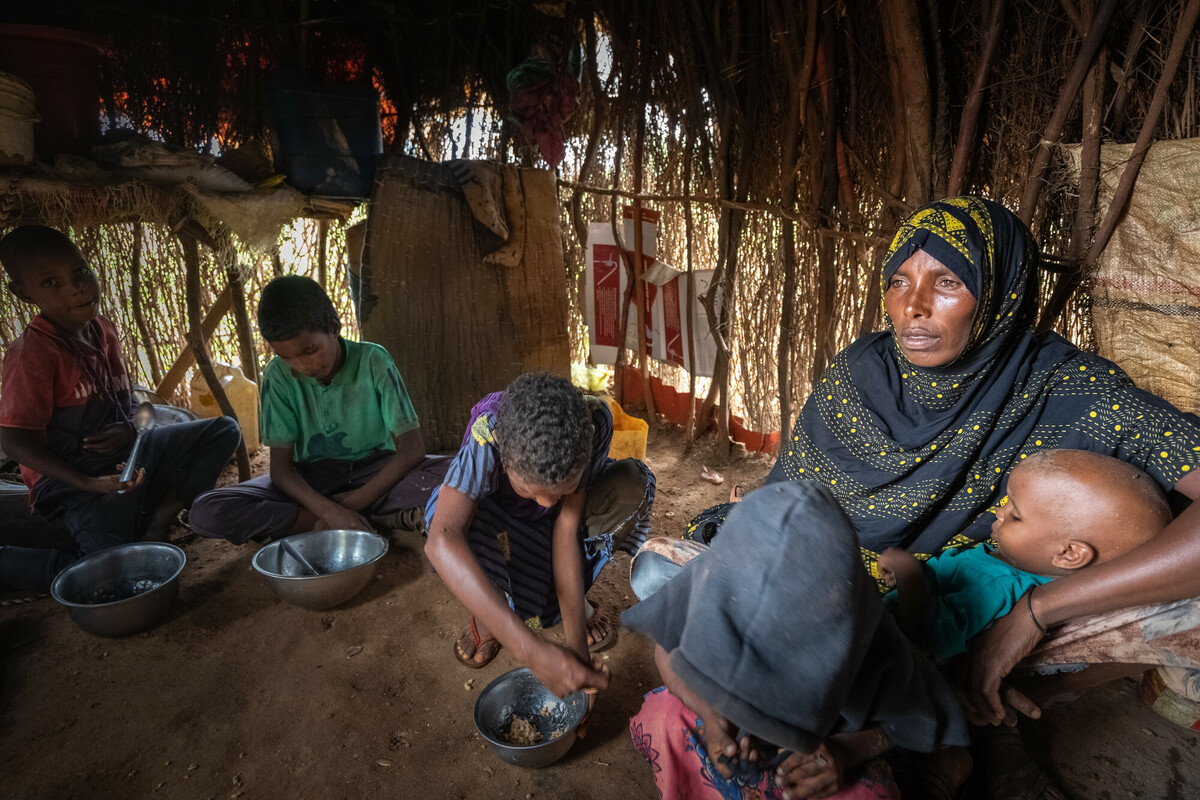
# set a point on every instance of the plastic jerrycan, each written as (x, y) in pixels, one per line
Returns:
(243, 396)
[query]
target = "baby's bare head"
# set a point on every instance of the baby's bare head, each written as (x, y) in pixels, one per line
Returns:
(1096, 500)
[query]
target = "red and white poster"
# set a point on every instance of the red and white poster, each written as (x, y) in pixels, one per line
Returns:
(668, 294)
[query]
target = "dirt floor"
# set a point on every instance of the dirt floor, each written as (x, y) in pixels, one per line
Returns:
(237, 695)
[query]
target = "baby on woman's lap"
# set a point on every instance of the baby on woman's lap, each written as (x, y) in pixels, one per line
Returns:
(1065, 510)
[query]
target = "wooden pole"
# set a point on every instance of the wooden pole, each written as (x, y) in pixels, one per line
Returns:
(241, 323)
(639, 264)
(720, 91)
(323, 253)
(970, 114)
(1089, 183)
(1116, 209)
(690, 290)
(186, 356)
(1066, 101)
(191, 258)
(801, 81)
(626, 262)
(1133, 49)
(891, 212)
(825, 170)
(904, 42)
(139, 314)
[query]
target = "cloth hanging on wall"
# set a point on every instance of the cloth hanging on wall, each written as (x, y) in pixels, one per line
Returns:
(1146, 290)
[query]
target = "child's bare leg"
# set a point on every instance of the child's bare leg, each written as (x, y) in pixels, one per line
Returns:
(163, 517)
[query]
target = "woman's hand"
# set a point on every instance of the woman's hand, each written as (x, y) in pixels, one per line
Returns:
(563, 672)
(1014, 703)
(815, 775)
(993, 655)
(110, 439)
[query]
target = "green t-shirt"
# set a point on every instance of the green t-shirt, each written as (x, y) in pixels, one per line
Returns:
(362, 410)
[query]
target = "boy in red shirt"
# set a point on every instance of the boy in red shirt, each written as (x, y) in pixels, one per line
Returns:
(66, 418)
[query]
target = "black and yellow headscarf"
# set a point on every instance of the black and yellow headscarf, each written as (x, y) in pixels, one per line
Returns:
(918, 457)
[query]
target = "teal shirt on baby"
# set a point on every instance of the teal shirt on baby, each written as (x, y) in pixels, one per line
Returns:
(362, 410)
(969, 589)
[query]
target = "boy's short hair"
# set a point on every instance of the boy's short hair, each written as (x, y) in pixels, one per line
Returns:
(22, 245)
(544, 429)
(294, 304)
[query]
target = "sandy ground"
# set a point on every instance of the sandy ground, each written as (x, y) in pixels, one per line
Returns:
(237, 695)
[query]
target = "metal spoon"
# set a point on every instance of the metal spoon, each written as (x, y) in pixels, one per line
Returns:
(143, 422)
(295, 554)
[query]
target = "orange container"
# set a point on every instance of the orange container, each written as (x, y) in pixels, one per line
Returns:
(629, 434)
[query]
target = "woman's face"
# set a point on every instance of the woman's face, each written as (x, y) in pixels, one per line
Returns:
(931, 311)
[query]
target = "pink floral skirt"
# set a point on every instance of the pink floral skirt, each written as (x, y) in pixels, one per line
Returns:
(670, 737)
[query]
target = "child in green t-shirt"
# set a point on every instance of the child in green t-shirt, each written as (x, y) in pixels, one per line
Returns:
(345, 442)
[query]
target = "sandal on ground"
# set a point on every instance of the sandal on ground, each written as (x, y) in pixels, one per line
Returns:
(486, 645)
(411, 520)
(1025, 781)
(599, 617)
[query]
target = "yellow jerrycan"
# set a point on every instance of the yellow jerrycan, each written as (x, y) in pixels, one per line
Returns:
(243, 396)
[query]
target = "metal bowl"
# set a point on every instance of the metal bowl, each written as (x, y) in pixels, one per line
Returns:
(658, 560)
(342, 562)
(519, 692)
(123, 589)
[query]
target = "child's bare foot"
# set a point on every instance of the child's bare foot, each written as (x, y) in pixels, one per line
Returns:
(477, 646)
(601, 631)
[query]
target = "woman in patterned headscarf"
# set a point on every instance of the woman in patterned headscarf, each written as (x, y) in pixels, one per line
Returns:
(915, 429)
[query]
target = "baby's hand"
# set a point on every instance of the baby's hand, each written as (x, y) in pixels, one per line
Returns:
(895, 564)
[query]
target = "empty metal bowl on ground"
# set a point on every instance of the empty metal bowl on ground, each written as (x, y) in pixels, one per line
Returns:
(658, 560)
(320, 569)
(518, 692)
(121, 590)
